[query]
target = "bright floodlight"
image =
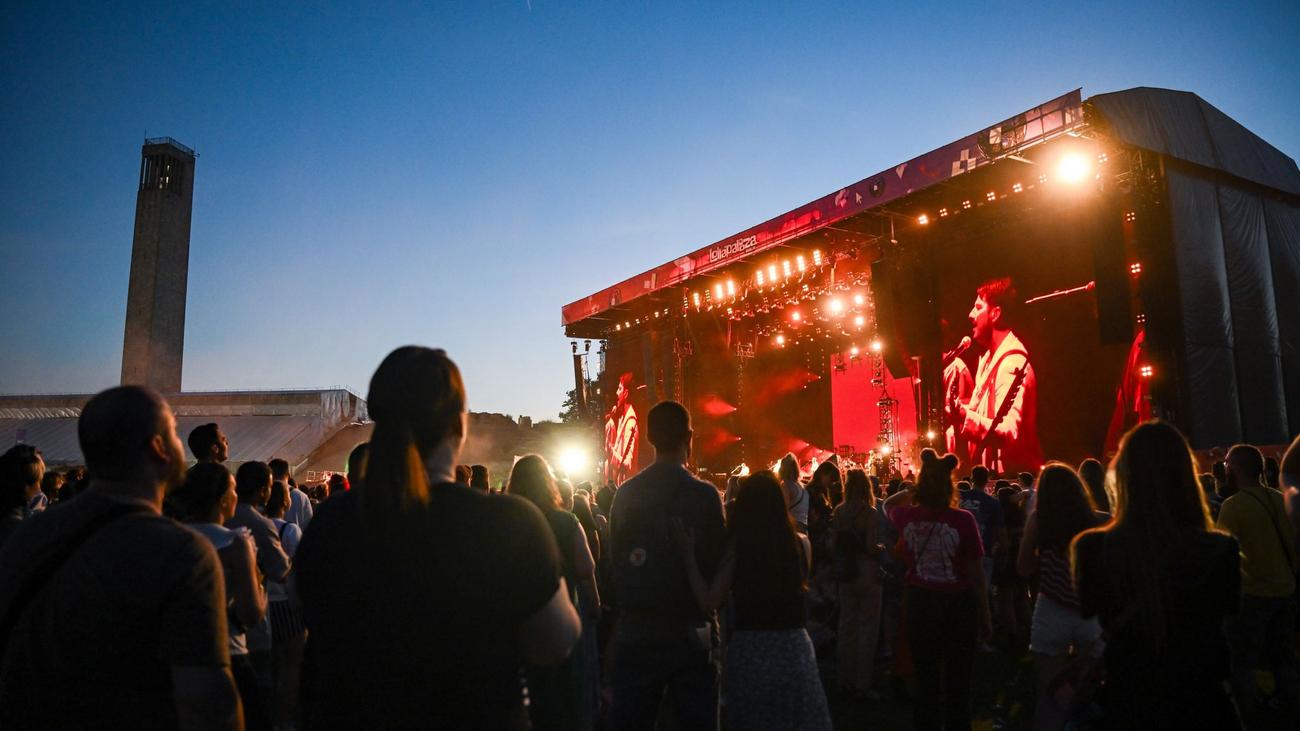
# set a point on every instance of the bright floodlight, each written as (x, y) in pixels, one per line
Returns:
(877, 346)
(886, 449)
(930, 435)
(573, 461)
(836, 306)
(1073, 168)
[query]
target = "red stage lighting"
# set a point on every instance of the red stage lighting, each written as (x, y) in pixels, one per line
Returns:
(795, 316)
(1146, 371)
(922, 219)
(713, 406)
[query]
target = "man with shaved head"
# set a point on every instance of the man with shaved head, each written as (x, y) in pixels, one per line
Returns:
(112, 616)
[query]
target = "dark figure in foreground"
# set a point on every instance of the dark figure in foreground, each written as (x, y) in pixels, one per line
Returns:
(1161, 580)
(664, 639)
(114, 616)
(410, 620)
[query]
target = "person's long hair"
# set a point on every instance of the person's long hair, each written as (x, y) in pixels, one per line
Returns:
(531, 479)
(788, 468)
(764, 539)
(1094, 478)
(857, 486)
(1064, 507)
(831, 492)
(1158, 507)
(416, 400)
(934, 487)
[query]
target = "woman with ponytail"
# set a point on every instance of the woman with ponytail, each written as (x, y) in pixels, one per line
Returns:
(423, 597)
(946, 598)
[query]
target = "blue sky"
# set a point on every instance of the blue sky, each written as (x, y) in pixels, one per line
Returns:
(376, 174)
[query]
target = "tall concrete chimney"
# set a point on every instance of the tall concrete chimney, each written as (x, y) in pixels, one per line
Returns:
(160, 263)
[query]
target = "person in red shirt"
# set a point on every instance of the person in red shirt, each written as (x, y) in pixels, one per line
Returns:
(947, 599)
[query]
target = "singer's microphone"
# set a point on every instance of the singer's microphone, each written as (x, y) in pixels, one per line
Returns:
(962, 347)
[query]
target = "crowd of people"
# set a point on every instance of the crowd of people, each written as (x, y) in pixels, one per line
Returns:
(140, 592)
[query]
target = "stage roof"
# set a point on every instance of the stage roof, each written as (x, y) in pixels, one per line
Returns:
(1177, 124)
(1182, 125)
(1034, 126)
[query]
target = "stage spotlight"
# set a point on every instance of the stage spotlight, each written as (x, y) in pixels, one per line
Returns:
(1135, 268)
(836, 306)
(759, 277)
(780, 340)
(1017, 188)
(785, 268)
(922, 219)
(771, 273)
(695, 297)
(799, 263)
(572, 461)
(796, 316)
(930, 435)
(1146, 371)
(817, 257)
(859, 300)
(731, 288)
(717, 291)
(853, 352)
(1073, 168)
(886, 449)
(877, 346)
(859, 321)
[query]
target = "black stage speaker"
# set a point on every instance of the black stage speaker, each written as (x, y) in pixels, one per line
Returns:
(1110, 272)
(906, 319)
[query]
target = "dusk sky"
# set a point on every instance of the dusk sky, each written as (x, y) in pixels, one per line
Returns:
(451, 174)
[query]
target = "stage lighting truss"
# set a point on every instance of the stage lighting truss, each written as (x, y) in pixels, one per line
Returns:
(1072, 168)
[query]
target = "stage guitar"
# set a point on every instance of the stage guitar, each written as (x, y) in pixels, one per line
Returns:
(1004, 408)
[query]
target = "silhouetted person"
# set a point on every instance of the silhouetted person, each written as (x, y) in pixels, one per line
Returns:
(478, 478)
(356, 467)
(1262, 633)
(300, 510)
(208, 444)
(1161, 580)
(117, 615)
(21, 471)
(664, 639)
(422, 597)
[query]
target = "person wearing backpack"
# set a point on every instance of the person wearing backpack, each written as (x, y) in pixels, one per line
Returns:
(857, 551)
(663, 638)
(1261, 634)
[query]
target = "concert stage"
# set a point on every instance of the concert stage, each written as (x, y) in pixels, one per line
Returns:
(1154, 244)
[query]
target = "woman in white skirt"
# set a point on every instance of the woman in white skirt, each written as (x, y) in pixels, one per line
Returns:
(1063, 509)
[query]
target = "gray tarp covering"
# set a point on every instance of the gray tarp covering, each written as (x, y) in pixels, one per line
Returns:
(1235, 224)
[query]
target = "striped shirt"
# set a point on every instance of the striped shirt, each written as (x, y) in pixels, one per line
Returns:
(1054, 577)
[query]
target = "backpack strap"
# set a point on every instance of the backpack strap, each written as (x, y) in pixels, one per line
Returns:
(48, 566)
(1272, 518)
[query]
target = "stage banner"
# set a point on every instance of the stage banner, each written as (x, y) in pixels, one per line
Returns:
(1031, 127)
